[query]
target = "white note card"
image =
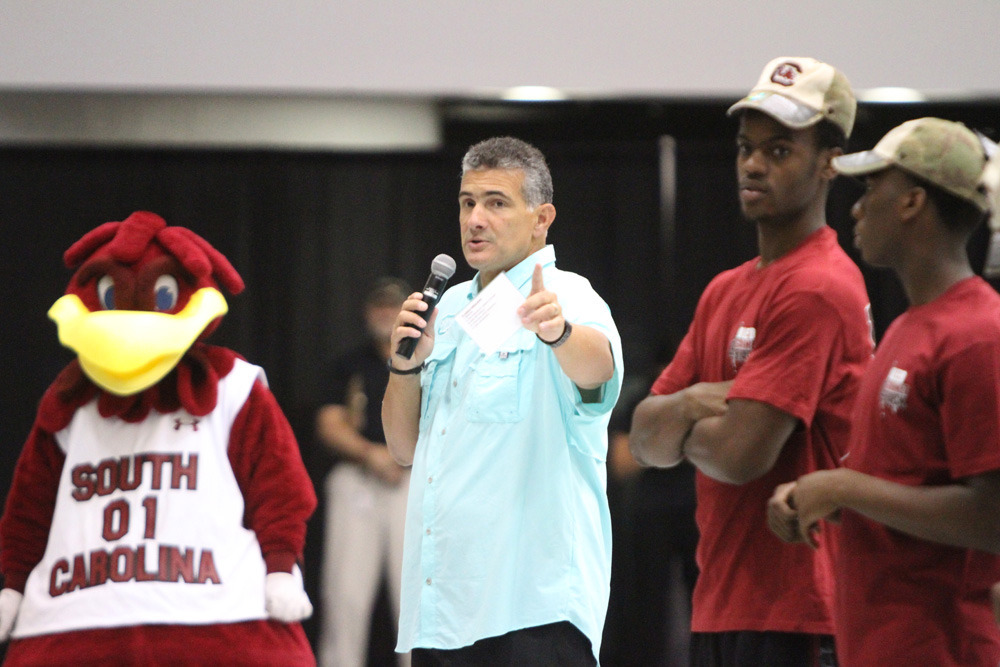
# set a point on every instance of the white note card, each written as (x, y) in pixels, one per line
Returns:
(491, 318)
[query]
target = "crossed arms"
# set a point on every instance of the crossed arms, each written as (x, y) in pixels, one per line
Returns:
(733, 441)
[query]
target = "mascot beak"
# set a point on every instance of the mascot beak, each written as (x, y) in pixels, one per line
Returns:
(127, 351)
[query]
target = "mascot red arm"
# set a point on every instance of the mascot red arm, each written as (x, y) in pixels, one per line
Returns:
(158, 509)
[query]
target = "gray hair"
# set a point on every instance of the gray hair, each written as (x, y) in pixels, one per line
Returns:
(512, 153)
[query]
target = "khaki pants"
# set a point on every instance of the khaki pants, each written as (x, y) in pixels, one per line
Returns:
(363, 540)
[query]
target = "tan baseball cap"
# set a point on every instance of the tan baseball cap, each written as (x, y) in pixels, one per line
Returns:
(942, 152)
(800, 92)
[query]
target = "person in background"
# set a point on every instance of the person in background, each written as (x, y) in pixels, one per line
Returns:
(918, 498)
(365, 491)
(653, 571)
(760, 389)
(508, 537)
(991, 184)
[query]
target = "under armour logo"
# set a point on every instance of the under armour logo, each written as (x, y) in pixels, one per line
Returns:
(192, 422)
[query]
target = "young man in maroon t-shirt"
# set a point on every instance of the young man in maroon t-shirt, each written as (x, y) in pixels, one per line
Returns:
(919, 496)
(760, 389)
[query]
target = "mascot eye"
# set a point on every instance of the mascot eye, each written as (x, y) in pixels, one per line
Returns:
(165, 291)
(106, 292)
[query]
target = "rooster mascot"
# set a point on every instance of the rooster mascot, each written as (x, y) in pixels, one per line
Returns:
(158, 509)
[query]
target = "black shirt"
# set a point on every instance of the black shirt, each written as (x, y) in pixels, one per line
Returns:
(359, 373)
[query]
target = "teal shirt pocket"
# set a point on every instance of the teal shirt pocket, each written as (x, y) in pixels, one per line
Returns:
(500, 391)
(431, 386)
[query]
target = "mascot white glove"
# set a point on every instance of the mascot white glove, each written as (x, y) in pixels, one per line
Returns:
(284, 598)
(10, 602)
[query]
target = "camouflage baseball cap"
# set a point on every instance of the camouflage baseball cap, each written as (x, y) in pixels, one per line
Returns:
(800, 92)
(942, 152)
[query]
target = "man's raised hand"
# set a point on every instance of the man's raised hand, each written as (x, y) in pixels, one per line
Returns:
(541, 313)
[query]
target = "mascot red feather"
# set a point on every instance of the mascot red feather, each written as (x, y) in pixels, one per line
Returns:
(158, 509)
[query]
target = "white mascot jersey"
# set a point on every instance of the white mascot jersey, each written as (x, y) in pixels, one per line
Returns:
(148, 524)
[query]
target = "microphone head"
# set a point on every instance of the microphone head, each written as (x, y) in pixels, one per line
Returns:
(443, 266)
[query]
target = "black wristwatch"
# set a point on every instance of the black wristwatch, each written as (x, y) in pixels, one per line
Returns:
(567, 330)
(409, 371)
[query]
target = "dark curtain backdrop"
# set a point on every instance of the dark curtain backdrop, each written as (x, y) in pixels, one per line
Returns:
(309, 231)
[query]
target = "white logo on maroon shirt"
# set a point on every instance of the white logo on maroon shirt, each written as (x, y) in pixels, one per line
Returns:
(894, 391)
(741, 346)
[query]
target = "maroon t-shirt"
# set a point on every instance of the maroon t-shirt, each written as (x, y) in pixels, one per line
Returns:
(927, 413)
(796, 335)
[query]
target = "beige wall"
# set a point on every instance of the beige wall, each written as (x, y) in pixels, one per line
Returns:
(469, 47)
(365, 74)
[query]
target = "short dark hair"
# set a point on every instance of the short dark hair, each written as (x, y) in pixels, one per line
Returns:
(513, 153)
(830, 135)
(957, 213)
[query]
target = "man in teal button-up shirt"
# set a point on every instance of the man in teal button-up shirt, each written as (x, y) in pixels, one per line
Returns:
(508, 538)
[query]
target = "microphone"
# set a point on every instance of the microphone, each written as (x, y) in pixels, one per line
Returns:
(442, 268)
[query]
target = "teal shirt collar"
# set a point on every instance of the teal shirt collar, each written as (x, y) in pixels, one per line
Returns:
(520, 274)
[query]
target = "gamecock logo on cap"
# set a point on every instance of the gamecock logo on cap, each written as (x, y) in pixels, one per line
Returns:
(785, 74)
